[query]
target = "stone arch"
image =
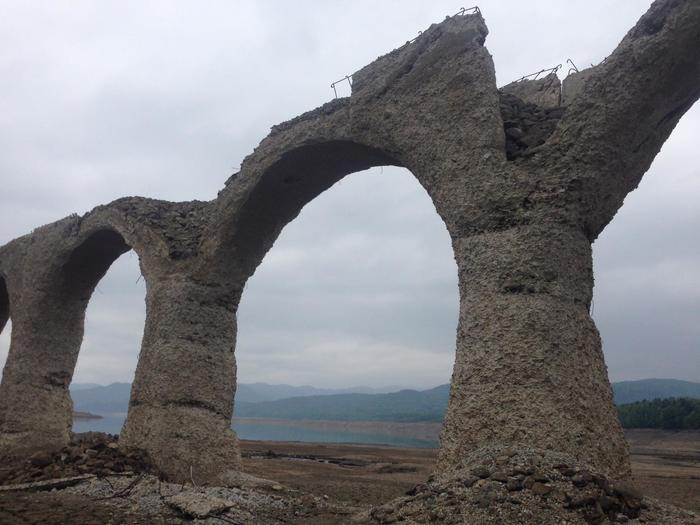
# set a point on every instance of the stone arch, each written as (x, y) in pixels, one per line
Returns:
(105, 348)
(379, 294)
(78, 277)
(172, 384)
(89, 262)
(529, 371)
(48, 331)
(254, 208)
(285, 187)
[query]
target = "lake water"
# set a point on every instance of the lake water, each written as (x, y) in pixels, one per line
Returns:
(279, 430)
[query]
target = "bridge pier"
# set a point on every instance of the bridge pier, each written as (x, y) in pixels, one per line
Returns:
(529, 368)
(36, 410)
(182, 396)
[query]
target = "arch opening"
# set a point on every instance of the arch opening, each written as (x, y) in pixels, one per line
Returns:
(646, 267)
(106, 285)
(294, 180)
(89, 262)
(358, 295)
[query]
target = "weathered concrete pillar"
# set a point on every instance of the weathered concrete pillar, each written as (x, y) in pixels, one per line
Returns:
(529, 368)
(37, 409)
(182, 397)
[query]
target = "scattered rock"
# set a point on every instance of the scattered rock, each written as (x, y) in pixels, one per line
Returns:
(582, 479)
(626, 490)
(196, 505)
(514, 133)
(514, 484)
(469, 481)
(526, 125)
(499, 476)
(578, 502)
(541, 489)
(536, 493)
(541, 477)
(502, 460)
(608, 503)
(89, 453)
(522, 471)
(481, 471)
(40, 459)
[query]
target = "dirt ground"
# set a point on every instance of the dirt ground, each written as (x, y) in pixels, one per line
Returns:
(328, 482)
(665, 465)
(354, 474)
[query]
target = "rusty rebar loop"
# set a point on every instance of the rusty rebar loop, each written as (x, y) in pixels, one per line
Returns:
(468, 11)
(463, 11)
(417, 37)
(346, 77)
(602, 61)
(572, 68)
(535, 75)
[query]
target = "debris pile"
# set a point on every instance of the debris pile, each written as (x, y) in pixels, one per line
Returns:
(525, 487)
(526, 125)
(90, 453)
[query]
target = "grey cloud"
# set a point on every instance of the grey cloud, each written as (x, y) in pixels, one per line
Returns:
(647, 293)
(165, 100)
(353, 277)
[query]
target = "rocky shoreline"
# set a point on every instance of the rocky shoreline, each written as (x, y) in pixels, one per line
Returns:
(526, 486)
(94, 481)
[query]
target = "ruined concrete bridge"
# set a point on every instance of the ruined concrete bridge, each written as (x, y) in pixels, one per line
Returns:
(525, 178)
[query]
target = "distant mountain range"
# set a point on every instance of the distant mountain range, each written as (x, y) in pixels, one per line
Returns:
(114, 398)
(403, 406)
(648, 389)
(354, 404)
(101, 399)
(258, 392)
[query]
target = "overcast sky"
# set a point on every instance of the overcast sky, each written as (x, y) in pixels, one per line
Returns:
(100, 100)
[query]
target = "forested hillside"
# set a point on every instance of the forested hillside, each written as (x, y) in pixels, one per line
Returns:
(681, 414)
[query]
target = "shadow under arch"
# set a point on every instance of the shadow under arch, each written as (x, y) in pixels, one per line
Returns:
(5, 317)
(4, 303)
(284, 188)
(5, 341)
(89, 262)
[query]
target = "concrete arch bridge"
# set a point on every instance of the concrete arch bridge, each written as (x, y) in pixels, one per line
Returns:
(525, 178)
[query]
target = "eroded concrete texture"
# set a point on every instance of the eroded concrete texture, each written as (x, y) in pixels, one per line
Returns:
(523, 184)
